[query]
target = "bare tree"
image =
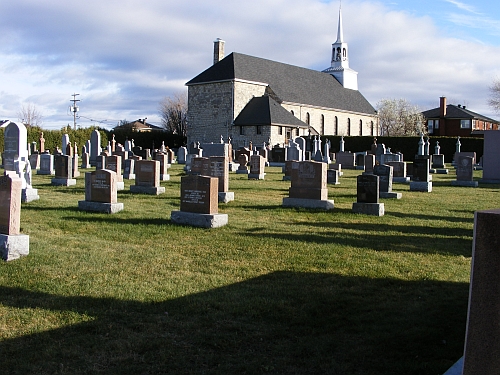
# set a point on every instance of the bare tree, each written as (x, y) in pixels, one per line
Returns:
(494, 100)
(173, 113)
(29, 115)
(398, 117)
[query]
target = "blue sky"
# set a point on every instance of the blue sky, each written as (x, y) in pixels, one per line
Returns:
(123, 57)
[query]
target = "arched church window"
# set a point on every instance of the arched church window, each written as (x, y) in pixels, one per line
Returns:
(339, 54)
(292, 112)
(308, 118)
(336, 130)
(348, 126)
(344, 54)
(371, 128)
(322, 124)
(360, 127)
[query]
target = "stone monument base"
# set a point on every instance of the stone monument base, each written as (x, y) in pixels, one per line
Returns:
(390, 195)
(63, 181)
(45, 171)
(439, 170)
(14, 246)
(256, 176)
(130, 176)
(242, 171)
(151, 190)
(85, 166)
(107, 208)
(120, 185)
(199, 220)
(233, 167)
(164, 177)
(225, 197)
(29, 195)
(489, 181)
(465, 183)
(421, 186)
(401, 180)
(374, 209)
(308, 203)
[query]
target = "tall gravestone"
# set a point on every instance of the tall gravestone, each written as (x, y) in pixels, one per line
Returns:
(147, 178)
(129, 169)
(309, 186)
(491, 157)
(199, 203)
(16, 158)
(219, 167)
(95, 146)
(368, 196)
(163, 159)
(100, 192)
(114, 163)
(13, 244)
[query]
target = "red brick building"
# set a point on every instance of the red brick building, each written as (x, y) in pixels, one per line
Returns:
(457, 120)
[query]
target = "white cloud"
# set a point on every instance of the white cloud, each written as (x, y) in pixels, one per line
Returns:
(463, 6)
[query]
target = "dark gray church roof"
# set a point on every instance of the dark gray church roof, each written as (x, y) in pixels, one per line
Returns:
(289, 83)
(264, 110)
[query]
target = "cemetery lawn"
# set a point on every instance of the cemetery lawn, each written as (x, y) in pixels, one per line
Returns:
(276, 291)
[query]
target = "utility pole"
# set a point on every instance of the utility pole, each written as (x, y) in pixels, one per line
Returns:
(74, 108)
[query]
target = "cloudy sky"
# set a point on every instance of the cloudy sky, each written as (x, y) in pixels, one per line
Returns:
(123, 57)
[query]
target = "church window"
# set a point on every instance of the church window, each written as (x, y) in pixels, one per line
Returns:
(372, 128)
(242, 130)
(308, 118)
(348, 126)
(336, 130)
(360, 127)
(292, 112)
(297, 133)
(322, 124)
(258, 129)
(280, 130)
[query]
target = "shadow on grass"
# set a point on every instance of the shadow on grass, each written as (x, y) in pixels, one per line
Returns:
(383, 237)
(94, 217)
(280, 323)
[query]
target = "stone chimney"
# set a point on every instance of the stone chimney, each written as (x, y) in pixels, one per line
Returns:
(218, 50)
(442, 106)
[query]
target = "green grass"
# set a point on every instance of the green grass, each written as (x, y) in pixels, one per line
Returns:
(278, 290)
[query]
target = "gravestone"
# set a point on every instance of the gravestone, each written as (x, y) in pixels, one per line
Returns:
(294, 152)
(219, 167)
(199, 203)
(257, 165)
(181, 155)
(75, 172)
(482, 341)
(384, 173)
(114, 163)
(63, 165)
(13, 244)
(465, 172)
(95, 147)
(347, 159)
(163, 159)
(243, 161)
(399, 172)
(101, 192)
(309, 186)
(35, 161)
(85, 160)
(368, 196)
(16, 158)
(332, 177)
(360, 160)
(287, 170)
(64, 144)
(129, 169)
(420, 180)
(46, 165)
(369, 163)
(491, 157)
(147, 178)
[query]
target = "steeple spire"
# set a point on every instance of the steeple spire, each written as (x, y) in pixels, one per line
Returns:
(340, 60)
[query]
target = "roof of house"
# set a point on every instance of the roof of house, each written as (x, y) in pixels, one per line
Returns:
(264, 110)
(289, 83)
(139, 125)
(456, 112)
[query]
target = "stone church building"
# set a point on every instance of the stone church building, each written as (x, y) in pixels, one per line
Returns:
(250, 99)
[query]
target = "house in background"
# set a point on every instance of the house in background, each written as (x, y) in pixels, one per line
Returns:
(456, 120)
(251, 99)
(139, 125)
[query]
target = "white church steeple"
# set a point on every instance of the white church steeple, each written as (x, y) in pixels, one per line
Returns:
(340, 60)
